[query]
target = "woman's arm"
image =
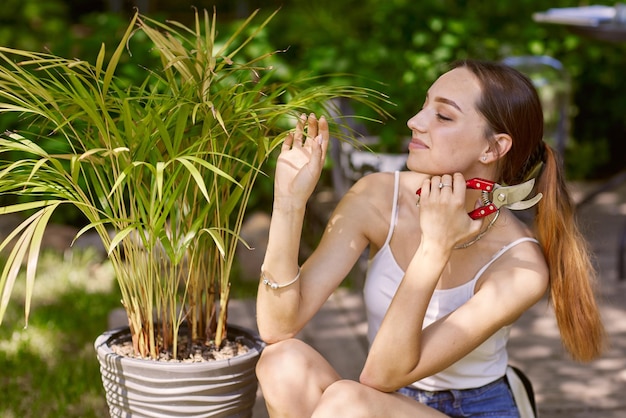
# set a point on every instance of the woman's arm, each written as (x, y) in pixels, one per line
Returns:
(283, 311)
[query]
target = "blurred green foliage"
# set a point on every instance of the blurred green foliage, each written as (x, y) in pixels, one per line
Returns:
(28, 24)
(407, 44)
(397, 46)
(47, 26)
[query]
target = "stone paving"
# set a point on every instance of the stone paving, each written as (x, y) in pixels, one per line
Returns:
(563, 388)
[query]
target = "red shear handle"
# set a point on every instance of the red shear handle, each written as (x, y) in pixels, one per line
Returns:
(480, 184)
(483, 211)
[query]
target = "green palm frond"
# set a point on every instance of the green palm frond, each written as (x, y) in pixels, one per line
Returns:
(162, 170)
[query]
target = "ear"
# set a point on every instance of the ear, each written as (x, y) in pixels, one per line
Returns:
(497, 149)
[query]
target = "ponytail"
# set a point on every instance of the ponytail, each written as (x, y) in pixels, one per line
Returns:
(510, 104)
(572, 277)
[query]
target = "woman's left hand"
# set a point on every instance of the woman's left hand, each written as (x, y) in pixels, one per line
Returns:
(443, 215)
(301, 159)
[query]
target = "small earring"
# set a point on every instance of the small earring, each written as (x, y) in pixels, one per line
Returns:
(484, 158)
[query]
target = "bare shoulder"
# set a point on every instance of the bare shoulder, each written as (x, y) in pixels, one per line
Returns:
(374, 189)
(380, 186)
(376, 179)
(368, 204)
(523, 248)
(521, 272)
(526, 254)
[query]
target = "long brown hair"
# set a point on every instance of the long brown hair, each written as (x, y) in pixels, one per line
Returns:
(510, 104)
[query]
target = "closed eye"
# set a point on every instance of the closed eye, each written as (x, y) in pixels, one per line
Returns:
(443, 118)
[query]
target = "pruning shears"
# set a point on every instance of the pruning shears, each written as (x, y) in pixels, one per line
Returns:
(510, 196)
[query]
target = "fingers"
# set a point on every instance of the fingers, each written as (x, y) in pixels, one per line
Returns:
(299, 132)
(459, 182)
(312, 126)
(287, 143)
(445, 184)
(308, 130)
(324, 135)
(444, 188)
(439, 185)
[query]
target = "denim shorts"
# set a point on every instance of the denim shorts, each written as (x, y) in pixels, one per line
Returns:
(492, 400)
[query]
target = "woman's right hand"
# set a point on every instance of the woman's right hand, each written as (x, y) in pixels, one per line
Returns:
(443, 215)
(301, 159)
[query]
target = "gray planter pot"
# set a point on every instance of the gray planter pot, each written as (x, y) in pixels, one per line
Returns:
(146, 388)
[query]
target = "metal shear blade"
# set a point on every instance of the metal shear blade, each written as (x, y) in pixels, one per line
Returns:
(513, 196)
(510, 196)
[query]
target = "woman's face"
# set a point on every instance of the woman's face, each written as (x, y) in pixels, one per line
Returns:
(448, 134)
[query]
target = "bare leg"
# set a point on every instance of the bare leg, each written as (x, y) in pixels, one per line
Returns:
(293, 376)
(349, 399)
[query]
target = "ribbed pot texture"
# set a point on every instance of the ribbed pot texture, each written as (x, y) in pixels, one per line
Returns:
(147, 388)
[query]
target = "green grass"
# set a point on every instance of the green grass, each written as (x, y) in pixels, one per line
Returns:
(50, 368)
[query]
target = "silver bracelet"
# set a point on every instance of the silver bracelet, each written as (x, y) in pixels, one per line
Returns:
(275, 286)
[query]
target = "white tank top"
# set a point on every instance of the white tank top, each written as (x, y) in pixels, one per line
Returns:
(484, 364)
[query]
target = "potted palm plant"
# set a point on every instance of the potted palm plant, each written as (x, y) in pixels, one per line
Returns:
(163, 171)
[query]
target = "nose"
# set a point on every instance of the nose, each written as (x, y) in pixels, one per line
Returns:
(416, 123)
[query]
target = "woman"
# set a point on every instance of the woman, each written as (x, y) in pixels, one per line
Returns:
(442, 289)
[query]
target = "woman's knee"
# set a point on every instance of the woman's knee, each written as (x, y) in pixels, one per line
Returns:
(294, 365)
(344, 398)
(282, 359)
(292, 376)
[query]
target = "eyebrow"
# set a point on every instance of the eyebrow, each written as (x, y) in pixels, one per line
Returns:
(448, 102)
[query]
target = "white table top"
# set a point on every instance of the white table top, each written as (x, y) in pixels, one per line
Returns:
(605, 23)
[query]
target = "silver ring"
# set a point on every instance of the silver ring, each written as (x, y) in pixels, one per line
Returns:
(442, 185)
